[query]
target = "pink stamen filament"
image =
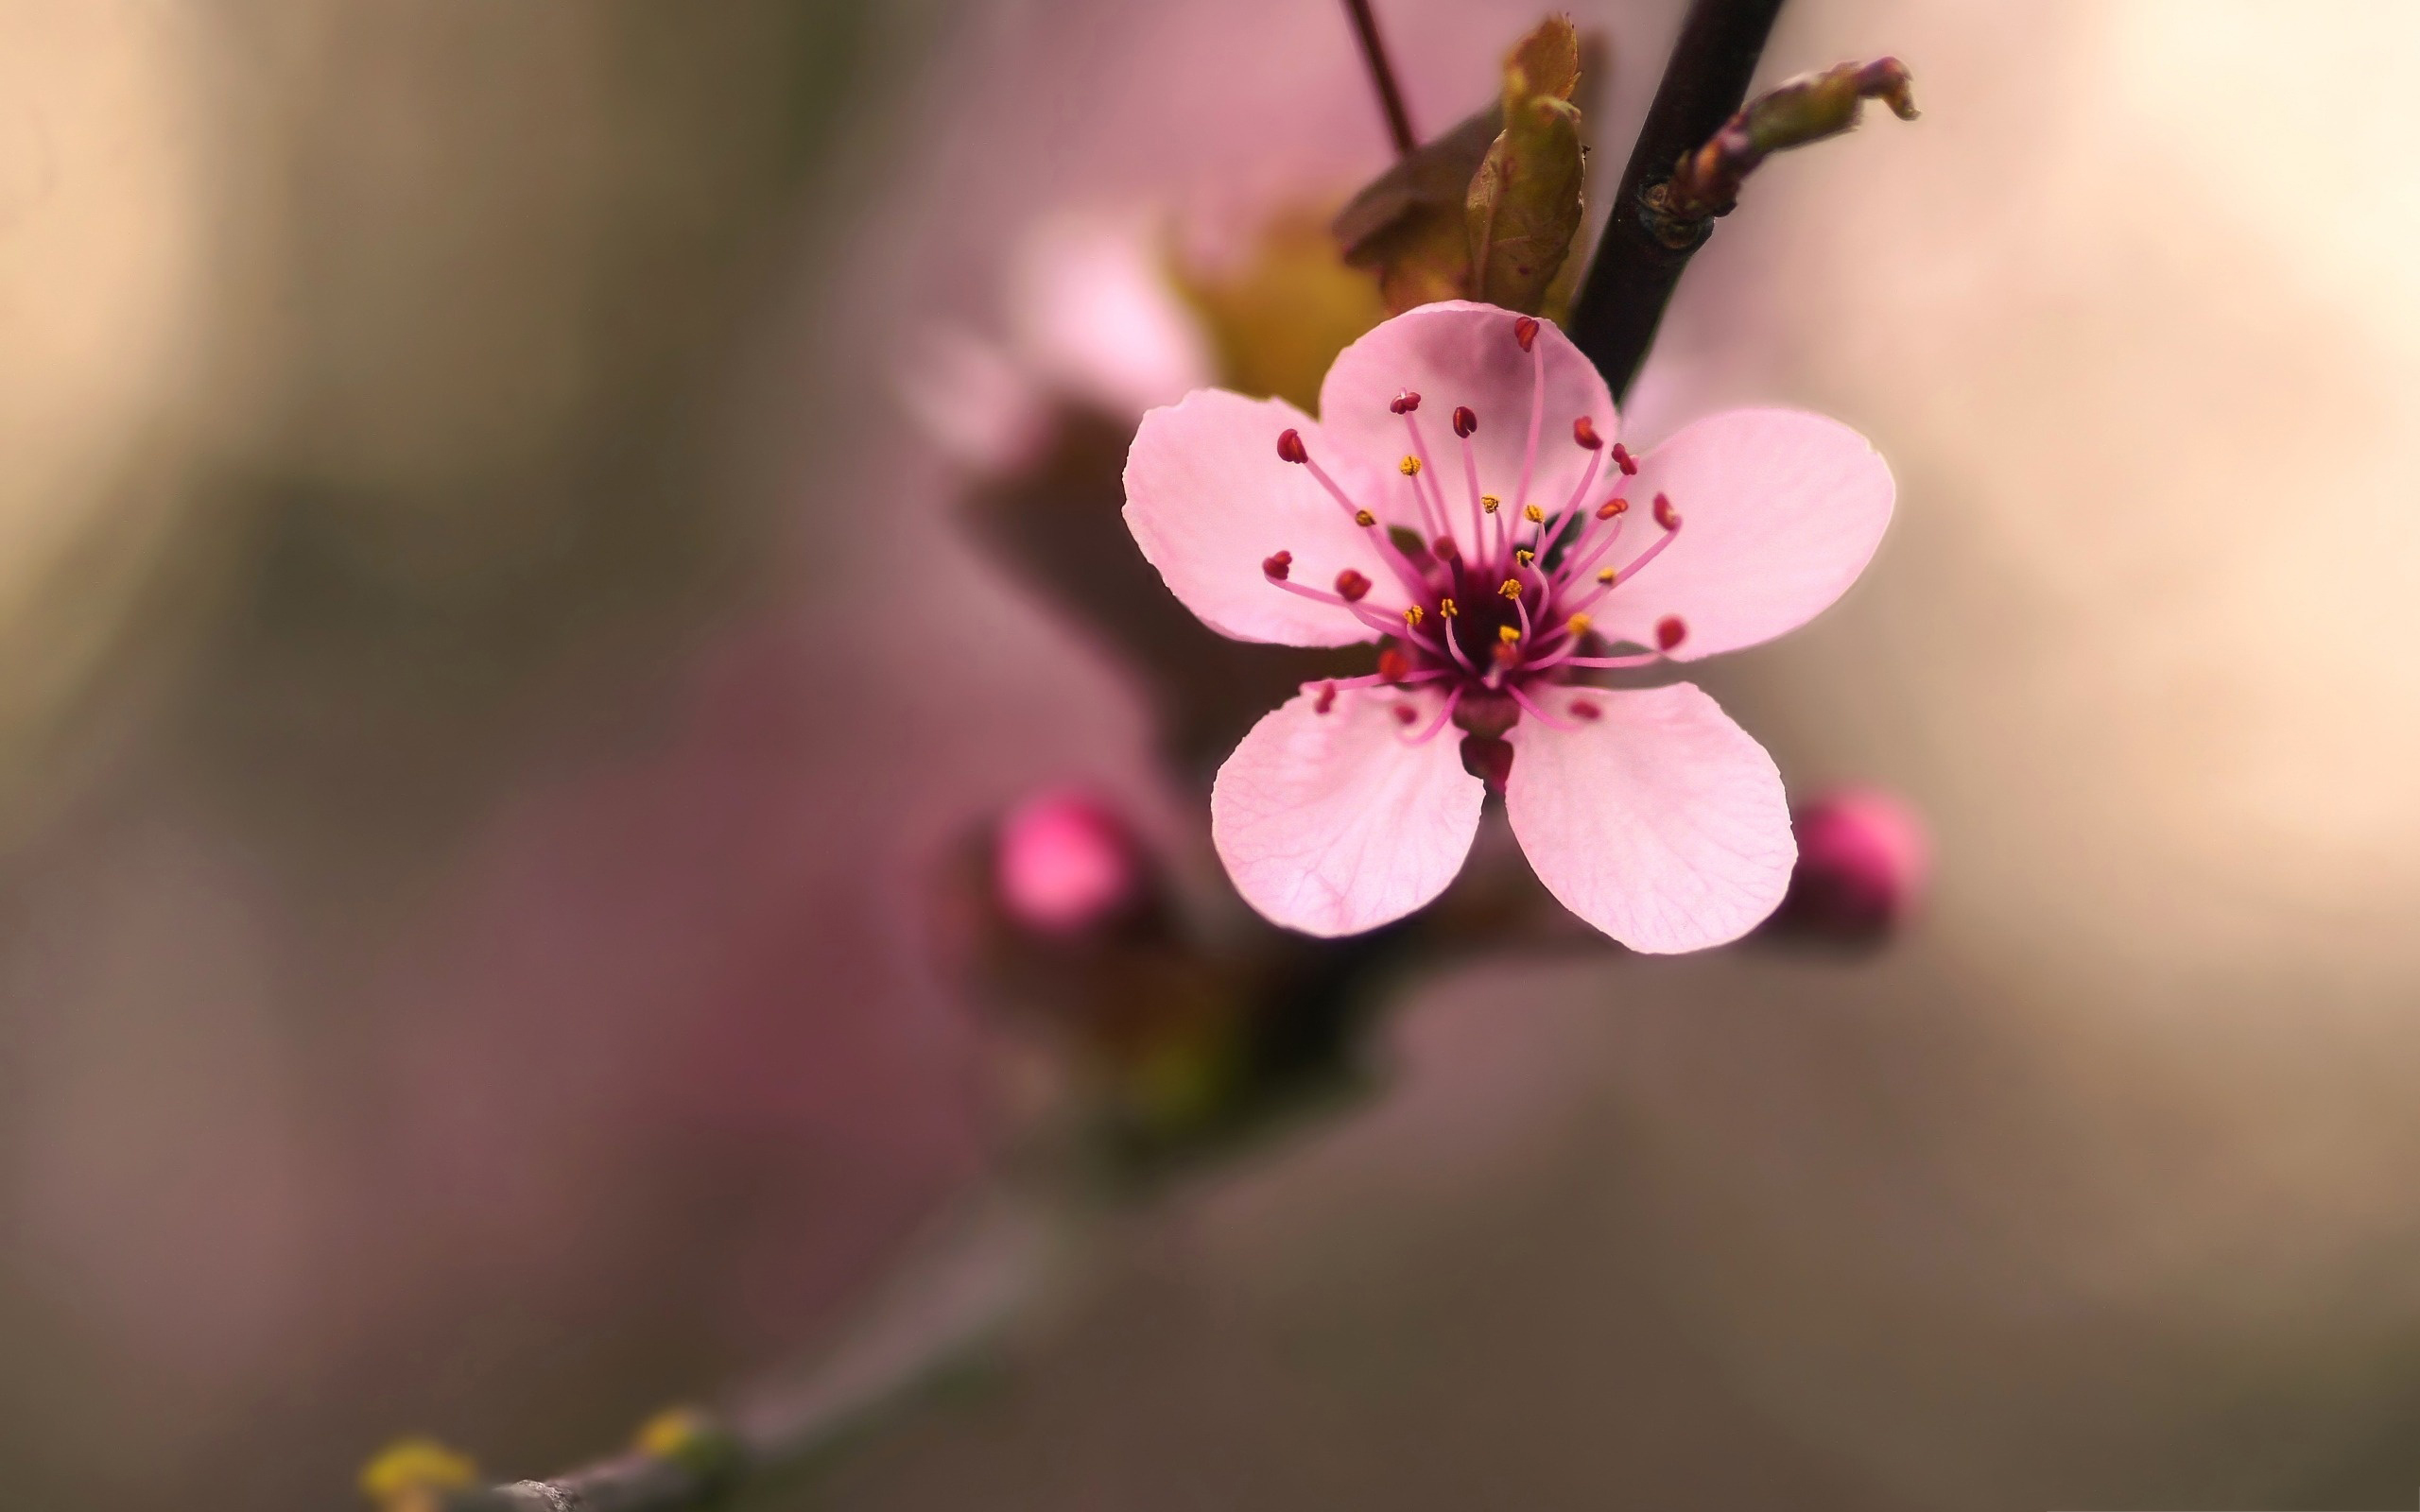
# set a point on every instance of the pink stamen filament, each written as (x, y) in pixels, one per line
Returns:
(1640, 659)
(1378, 529)
(1561, 516)
(1377, 679)
(1479, 550)
(1530, 705)
(1439, 722)
(1576, 565)
(1520, 499)
(1425, 484)
(1654, 549)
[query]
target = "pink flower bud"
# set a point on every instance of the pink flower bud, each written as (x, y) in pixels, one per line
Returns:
(1864, 860)
(1065, 864)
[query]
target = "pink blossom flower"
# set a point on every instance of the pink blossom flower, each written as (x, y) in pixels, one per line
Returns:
(1452, 442)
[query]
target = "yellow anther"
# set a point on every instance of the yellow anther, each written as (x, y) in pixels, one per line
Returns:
(1490, 503)
(1524, 555)
(1507, 634)
(1413, 615)
(1511, 588)
(1364, 518)
(414, 1473)
(1445, 606)
(1533, 514)
(1409, 467)
(1605, 576)
(1580, 623)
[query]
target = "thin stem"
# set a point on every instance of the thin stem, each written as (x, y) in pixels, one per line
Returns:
(1382, 74)
(1622, 300)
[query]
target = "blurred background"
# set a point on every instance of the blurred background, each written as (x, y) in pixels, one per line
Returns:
(490, 657)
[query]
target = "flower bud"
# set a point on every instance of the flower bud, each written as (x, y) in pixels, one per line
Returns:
(1864, 864)
(1065, 864)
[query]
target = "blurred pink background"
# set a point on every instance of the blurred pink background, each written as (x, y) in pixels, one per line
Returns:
(472, 734)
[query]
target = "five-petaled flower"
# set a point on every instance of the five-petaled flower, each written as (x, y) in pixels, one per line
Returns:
(1463, 500)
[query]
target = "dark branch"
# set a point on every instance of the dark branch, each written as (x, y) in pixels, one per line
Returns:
(1382, 74)
(1622, 302)
(950, 1303)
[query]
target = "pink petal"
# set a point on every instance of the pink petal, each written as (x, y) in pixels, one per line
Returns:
(1660, 822)
(1336, 823)
(1780, 510)
(1460, 353)
(1209, 500)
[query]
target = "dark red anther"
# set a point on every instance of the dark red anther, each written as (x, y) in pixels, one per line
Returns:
(1326, 700)
(1611, 507)
(1664, 514)
(1584, 430)
(1445, 548)
(1290, 447)
(1407, 714)
(1489, 758)
(1582, 708)
(1394, 666)
(1622, 460)
(1525, 330)
(1671, 632)
(1405, 403)
(1351, 586)
(1466, 420)
(1507, 653)
(1276, 567)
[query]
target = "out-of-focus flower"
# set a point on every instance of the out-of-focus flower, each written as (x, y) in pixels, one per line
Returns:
(1646, 811)
(1065, 864)
(1864, 859)
(1095, 319)
(1095, 312)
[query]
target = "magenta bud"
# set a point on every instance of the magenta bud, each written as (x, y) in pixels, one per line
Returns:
(1065, 863)
(1864, 861)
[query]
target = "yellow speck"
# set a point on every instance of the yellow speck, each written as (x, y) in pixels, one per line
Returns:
(1507, 634)
(1445, 606)
(671, 1431)
(1364, 518)
(1580, 624)
(1533, 514)
(1605, 576)
(1413, 615)
(1524, 555)
(1511, 588)
(1490, 503)
(411, 1473)
(1409, 467)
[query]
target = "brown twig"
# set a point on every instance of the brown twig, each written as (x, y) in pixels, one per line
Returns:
(957, 1294)
(1382, 74)
(1807, 108)
(1622, 300)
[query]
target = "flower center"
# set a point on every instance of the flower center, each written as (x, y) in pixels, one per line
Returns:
(1490, 598)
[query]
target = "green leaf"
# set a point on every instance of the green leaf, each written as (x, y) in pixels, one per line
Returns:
(1407, 224)
(1524, 204)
